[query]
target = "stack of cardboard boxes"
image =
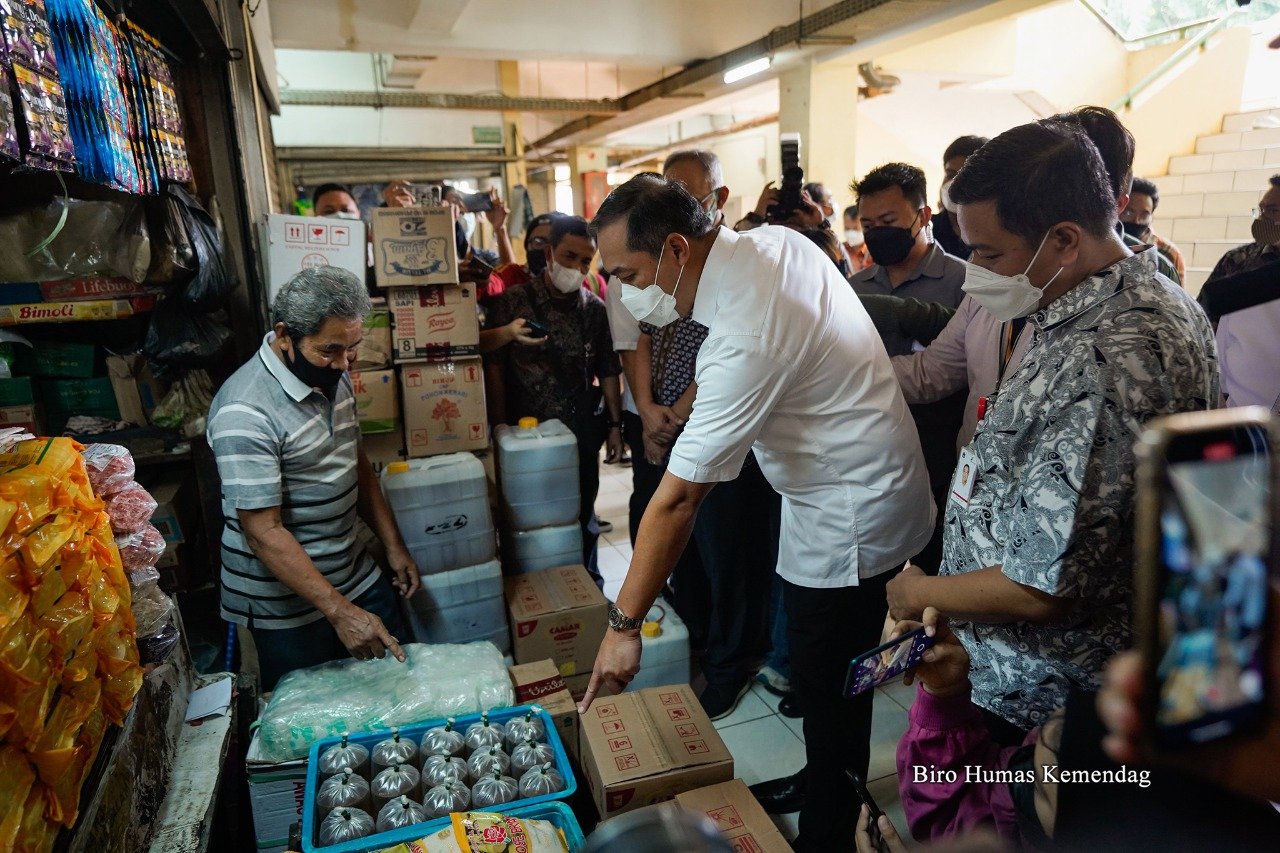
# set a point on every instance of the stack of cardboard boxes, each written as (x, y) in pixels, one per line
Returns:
(422, 349)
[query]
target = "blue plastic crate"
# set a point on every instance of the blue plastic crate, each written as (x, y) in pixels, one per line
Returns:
(311, 821)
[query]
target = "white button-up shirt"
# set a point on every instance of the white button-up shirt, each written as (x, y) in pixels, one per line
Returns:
(1249, 355)
(626, 334)
(794, 368)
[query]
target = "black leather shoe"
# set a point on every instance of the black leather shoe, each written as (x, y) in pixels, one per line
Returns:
(789, 707)
(781, 796)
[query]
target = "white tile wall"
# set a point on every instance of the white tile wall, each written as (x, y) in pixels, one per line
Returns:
(1237, 122)
(1190, 163)
(1195, 280)
(1254, 180)
(1177, 206)
(1239, 228)
(1263, 137)
(1199, 228)
(1272, 156)
(1170, 184)
(1226, 204)
(1206, 255)
(1209, 182)
(1218, 142)
(1232, 160)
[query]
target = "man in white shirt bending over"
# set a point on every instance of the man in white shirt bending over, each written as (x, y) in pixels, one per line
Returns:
(793, 369)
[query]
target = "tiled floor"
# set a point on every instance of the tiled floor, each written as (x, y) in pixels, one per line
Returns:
(764, 744)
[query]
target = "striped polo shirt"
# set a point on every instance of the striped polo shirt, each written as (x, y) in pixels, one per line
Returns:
(280, 443)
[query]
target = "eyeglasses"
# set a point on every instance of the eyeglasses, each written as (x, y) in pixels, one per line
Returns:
(1270, 211)
(539, 242)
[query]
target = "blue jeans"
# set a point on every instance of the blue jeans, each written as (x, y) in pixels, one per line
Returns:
(779, 659)
(282, 651)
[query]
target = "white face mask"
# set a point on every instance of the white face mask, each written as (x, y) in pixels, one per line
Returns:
(468, 223)
(854, 237)
(342, 214)
(650, 304)
(565, 279)
(947, 203)
(1008, 297)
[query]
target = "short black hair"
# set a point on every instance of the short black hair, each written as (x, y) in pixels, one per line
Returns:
(653, 208)
(1038, 175)
(826, 241)
(1275, 181)
(816, 190)
(1113, 140)
(330, 188)
(564, 225)
(903, 175)
(851, 211)
(540, 219)
(1147, 188)
(963, 146)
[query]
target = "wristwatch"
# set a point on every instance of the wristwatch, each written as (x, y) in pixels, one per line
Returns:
(755, 218)
(619, 621)
(614, 424)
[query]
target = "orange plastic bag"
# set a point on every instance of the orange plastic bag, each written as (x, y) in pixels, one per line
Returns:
(29, 674)
(13, 601)
(83, 663)
(16, 779)
(118, 668)
(68, 622)
(43, 542)
(37, 831)
(70, 712)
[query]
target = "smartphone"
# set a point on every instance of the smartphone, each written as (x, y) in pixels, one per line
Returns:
(864, 796)
(477, 202)
(886, 662)
(537, 330)
(1206, 554)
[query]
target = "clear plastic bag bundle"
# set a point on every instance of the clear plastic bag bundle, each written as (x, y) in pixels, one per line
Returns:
(438, 769)
(394, 750)
(541, 780)
(484, 761)
(156, 648)
(483, 733)
(398, 780)
(447, 797)
(130, 509)
(344, 756)
(151, 609)
(345, 825)
(493, 790)
(110, 468)
(346, 790)
(400, 812)
(352, 695)
(140, 551)
(527, 727)
(443, 740)
(529, 755)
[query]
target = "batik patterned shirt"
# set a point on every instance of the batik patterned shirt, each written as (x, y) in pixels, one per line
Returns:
(673, 357)
(1054, 494)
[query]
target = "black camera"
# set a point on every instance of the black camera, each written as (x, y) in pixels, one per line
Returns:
(792, 181)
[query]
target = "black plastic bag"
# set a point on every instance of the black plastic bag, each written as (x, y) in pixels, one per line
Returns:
(181, 338)
(189, 252)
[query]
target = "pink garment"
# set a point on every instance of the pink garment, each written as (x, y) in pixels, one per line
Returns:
(948, 734)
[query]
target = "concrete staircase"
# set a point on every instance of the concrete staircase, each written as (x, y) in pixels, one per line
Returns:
(1207, 199)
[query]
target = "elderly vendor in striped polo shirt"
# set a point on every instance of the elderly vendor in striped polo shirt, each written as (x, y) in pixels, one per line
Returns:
(294, 480)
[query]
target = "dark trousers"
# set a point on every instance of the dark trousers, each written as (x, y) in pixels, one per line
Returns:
(285, 650)
(590, 435)
(737, 534)
(690, 595)
(938, 424)
(828, 628)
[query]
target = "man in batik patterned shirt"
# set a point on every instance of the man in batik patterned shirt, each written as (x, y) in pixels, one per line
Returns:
(1038, 550)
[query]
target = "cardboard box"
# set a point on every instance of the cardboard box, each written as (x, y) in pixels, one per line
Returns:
(540, 683)
(444, 407)
(64, 398)
(375, 343)
(276, 792)
(414, 246)
(740, 819)
(434, 323)
(17, 391)
(645, 747)
(383, 448)
(27, 417)
(377, 407)
(58, 359)
(89, 287)
(136, 388)
(296, 243)
(559, 614)
(176, 507)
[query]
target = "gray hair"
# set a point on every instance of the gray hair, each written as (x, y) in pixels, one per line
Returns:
(314, 295)
(708, 160)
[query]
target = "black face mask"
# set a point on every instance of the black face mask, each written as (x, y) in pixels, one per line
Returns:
(312, 375)
(890, 244)
(1133, 229)
(537, 263)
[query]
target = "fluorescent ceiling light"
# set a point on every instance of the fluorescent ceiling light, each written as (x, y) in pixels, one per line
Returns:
(746, 69)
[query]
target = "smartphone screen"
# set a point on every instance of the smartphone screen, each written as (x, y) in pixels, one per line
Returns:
(477, 202)
(1211, 584)
(885, 663)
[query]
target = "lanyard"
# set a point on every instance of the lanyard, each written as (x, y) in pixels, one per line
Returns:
(1009, 334)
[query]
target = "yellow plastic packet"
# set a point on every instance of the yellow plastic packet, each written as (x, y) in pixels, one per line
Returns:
(16, 778)
(37, 831)
(488, 832)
